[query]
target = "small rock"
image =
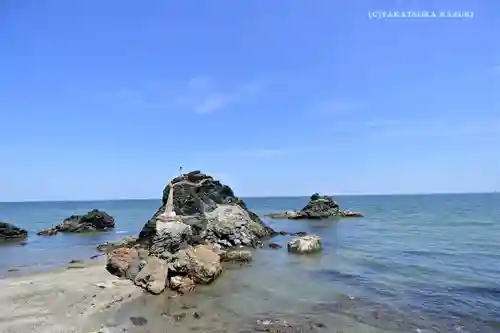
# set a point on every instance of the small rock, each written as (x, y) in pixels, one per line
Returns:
(196, 315)
(305, 244)
(274, 246)
(76, 261)
(138, 321)
(182, 284)
(240, 255)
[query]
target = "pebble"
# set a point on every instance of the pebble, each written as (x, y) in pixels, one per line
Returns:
(138, 321)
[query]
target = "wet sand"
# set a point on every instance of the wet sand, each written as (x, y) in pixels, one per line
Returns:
(76, 298)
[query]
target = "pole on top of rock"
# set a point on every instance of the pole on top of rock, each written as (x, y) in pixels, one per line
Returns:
(180, 170)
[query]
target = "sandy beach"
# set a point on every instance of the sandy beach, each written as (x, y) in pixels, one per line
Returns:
(77, 298)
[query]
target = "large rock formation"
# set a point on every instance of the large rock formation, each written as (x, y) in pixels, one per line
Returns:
(11, 232)
(94, 220)
(211, 210)
(318, 207)
(189, 236)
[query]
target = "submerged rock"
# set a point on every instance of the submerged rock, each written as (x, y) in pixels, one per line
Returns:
(94, 220)
(201, 263)
(11, 232)
(318, 207)
(128, 241)
(305, 244)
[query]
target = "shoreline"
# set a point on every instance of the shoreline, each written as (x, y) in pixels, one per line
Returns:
(76, 298)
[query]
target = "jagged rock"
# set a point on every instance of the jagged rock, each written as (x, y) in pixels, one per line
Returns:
(182, 284)
(172, 237)
(201, 263)
(305, 244)
(318, 207)
(11, 232)
(128, 241)
(153, 276)
(239, 255)
(94, 220)
(47, 232)
(212, 211)
(120, 260)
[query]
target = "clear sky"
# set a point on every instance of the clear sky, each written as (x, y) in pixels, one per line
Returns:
(105, 99)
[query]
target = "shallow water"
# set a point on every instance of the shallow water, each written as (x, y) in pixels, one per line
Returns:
(427, 262)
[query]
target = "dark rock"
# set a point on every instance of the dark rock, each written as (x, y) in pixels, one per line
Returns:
(94, 220)
(274, 246)
(128, 241)
(11, 232)
(75, 261)
(318, 207)
(300, 233)
(138, 321)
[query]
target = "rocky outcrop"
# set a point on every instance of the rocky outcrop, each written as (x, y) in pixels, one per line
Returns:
(153, 276)
(188, 238)
(94, 220)
(11, 232)
(318, 207)
(211, 209)
(305, 244)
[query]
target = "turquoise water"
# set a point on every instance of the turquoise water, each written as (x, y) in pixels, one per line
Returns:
(428, 262)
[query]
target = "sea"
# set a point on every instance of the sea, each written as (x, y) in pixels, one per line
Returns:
(414, 263)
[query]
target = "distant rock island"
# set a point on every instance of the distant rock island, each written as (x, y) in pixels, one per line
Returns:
(11, 232)
(318, 207)
(95, 220)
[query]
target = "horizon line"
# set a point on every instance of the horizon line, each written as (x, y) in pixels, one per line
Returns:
(261, 197)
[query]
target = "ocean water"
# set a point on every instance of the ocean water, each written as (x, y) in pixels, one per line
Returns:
(415, 263)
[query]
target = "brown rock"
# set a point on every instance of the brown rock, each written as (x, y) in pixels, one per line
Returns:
(153, 276)
(274, 246)
(182, 284)
(200, 263)
(119, 260)
(204, 264)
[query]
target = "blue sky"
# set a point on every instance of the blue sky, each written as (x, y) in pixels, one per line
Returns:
(105, 99)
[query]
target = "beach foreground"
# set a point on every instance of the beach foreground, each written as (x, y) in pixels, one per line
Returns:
(76, 298)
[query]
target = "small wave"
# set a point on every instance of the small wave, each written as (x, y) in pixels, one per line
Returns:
(427, 254)
(121, 231)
